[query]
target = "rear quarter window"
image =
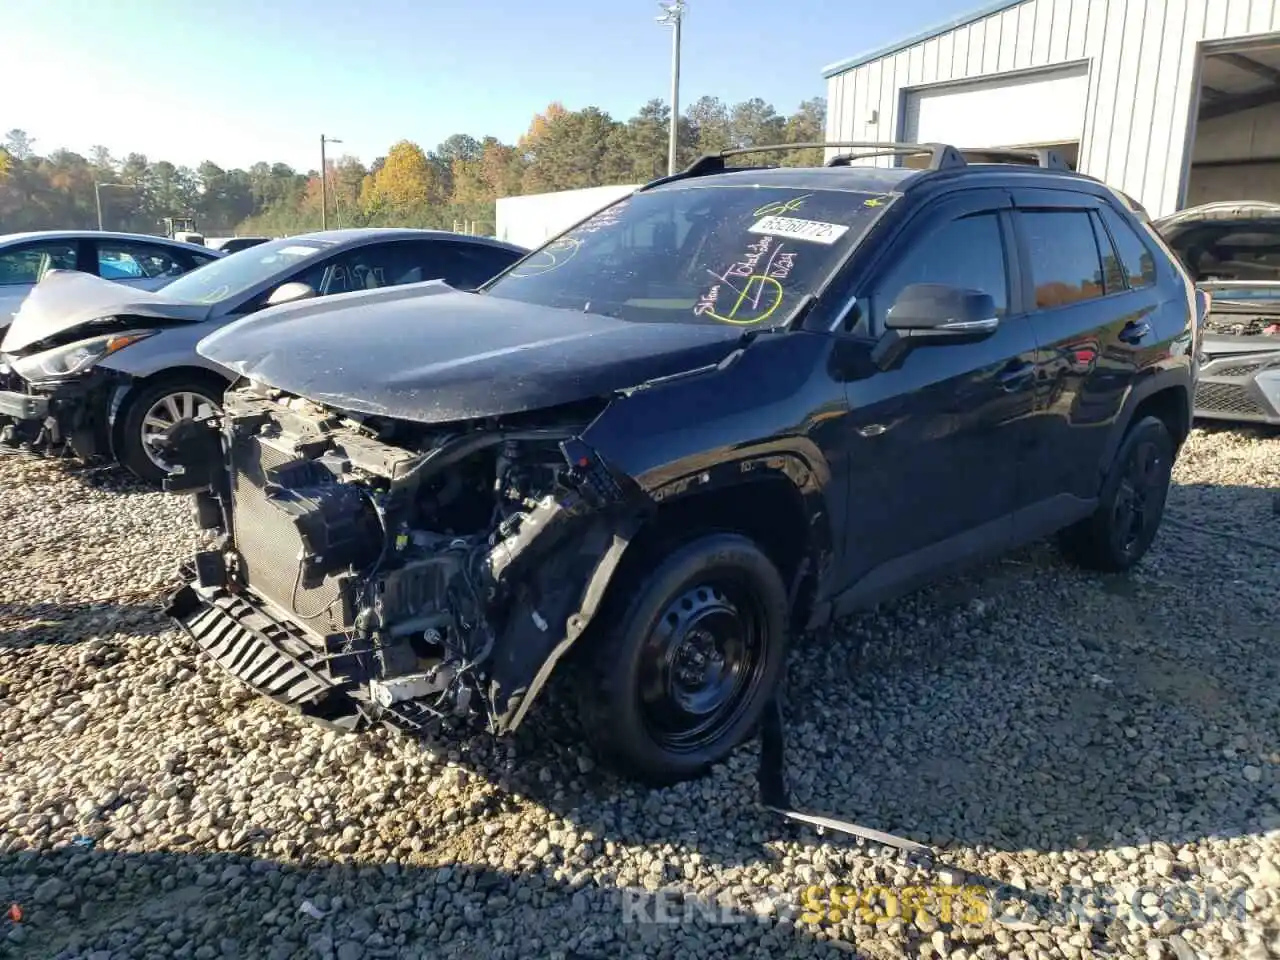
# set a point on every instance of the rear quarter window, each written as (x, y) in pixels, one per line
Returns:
(1136, 258)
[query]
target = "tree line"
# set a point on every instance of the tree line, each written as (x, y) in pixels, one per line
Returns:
(455, 183)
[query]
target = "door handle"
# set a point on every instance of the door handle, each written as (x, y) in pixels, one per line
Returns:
(1016, 378)
(1134, 332)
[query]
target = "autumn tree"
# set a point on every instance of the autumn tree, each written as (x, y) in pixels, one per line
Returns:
(458, 181)
(405, 183)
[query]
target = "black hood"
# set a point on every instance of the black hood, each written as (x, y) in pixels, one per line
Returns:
(433, 354)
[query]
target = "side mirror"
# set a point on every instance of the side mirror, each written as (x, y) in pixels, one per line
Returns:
(289, 292)
(927, 313)
(942, 311)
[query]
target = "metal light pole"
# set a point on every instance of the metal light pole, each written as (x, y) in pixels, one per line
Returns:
(97, 196)
(324, 189)
(673, 14)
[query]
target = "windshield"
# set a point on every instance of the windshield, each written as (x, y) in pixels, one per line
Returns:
(742, 255)
(239, 272)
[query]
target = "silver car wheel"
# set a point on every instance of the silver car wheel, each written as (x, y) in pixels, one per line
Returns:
(168, 410)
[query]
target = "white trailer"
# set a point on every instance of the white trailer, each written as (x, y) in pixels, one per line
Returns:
(533, 219)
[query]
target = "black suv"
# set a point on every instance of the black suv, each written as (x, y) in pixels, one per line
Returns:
(738, 403)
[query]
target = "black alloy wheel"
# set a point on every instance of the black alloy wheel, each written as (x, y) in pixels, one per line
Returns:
(1131, 504)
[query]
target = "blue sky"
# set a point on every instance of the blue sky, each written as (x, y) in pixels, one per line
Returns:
(236, 81)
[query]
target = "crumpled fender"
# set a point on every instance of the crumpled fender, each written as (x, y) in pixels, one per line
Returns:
(529, 649)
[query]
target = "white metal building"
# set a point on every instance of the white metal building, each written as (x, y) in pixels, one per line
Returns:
(532, 219)
(1175, 102)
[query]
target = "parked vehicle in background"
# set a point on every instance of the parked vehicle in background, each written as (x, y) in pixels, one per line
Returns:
(105, 368)
(182, 228)
(134, 259)
(233, 244)
(732, 403)
(1232, 251)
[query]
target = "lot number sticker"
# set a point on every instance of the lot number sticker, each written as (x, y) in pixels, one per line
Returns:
(815, 231)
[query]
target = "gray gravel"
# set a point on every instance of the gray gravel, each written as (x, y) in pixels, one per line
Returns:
(1045, 728)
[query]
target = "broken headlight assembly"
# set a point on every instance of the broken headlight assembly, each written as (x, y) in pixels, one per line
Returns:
(74, 358)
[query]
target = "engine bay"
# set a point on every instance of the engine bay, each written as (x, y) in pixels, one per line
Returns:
(400, 549)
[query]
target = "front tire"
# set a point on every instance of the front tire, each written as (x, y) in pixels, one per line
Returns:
(682, 674)
(156, 407)
(1123, 526)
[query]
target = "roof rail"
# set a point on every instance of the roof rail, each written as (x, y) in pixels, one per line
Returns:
(942, 156)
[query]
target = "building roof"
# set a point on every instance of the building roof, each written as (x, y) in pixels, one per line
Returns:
(844, 65)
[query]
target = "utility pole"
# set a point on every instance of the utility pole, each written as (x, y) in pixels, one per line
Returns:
(324, 186)
(673, 14)
(97, 196)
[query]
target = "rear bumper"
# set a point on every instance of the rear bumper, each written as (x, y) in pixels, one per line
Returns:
(1242, 387)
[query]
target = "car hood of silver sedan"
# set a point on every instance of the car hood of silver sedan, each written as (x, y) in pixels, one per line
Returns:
(67, 302)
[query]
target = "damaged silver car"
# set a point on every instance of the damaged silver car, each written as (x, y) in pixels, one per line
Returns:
(1232, 251)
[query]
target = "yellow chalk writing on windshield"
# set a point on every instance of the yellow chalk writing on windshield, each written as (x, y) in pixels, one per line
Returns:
(554, 255)
(778, 207)
(756, 301)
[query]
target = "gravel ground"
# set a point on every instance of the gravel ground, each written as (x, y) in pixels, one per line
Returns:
(1044, 728)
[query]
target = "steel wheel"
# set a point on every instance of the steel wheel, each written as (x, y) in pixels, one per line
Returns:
(168, 410)
(701, 665)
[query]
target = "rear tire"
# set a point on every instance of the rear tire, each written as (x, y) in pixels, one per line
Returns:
(167, 399)
(691, 652)
(1124, 525)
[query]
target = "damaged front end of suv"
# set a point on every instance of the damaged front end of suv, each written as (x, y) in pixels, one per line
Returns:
(426, 499)
(422, 572)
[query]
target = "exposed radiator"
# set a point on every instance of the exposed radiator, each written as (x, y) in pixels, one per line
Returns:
(271, 546)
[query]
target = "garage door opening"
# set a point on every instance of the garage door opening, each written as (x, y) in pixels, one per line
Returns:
(1034, 109)
(1069, 151)
(1235, 154)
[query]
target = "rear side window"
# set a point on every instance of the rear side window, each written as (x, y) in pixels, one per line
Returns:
(28, 263)
(466, 267)
(966, 253)
(1066, 266)
(121, 260)
(1136, 258)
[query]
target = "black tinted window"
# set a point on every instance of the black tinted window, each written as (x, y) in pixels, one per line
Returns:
(370, 267)
(1065, 264)
(966, 253)
(461, 265)
(1138, 260)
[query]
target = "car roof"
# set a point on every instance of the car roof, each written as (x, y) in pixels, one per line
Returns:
(357, 236)
(10, 238)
